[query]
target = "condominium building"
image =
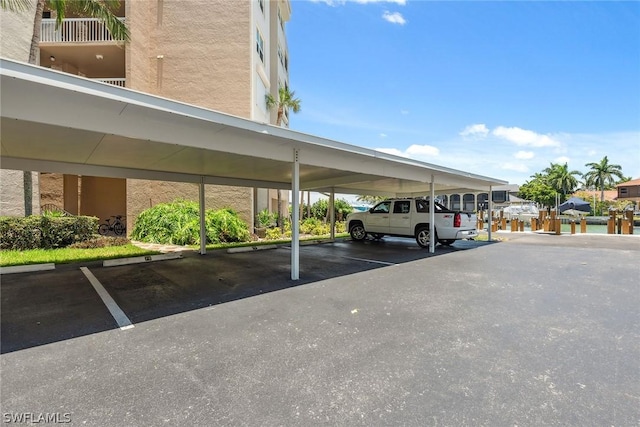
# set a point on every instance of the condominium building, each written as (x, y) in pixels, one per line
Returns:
(225, 55)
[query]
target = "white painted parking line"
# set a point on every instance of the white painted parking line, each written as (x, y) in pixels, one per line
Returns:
(370, 260)
(117, 313)
(356, 259)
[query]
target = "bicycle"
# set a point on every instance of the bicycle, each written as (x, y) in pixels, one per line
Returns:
(117, 226)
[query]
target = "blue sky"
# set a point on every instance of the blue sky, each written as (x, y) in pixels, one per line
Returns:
(501, 89)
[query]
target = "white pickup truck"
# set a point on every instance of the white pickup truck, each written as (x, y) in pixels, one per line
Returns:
(410, 218)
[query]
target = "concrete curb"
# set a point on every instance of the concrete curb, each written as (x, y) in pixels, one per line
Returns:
(27, 268)
(250, 248)
(141, 259)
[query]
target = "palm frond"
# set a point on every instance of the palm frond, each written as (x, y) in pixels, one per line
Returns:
(15, 5)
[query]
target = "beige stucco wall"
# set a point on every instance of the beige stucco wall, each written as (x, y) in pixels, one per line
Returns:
(51, 189)
(103, 197)
(204, 49)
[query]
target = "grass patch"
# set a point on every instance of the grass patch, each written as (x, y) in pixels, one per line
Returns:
(68, 255)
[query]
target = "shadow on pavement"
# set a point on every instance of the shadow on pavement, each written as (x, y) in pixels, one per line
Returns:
(46, 307)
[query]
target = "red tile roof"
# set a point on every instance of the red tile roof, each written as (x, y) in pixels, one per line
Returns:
(628, 183)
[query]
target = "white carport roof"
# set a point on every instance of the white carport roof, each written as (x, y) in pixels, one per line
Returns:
(57, 122)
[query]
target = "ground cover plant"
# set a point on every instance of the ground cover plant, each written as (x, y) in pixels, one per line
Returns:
(178, 223)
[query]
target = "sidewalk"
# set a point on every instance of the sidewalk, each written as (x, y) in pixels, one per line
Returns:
(162, 247)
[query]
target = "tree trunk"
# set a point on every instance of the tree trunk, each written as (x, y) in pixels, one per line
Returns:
(27, 178)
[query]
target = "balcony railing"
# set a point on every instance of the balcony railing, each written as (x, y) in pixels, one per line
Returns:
(75, 30)
(115, 82)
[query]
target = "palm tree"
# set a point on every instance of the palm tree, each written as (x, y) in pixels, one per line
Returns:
(602, 175)
(286, 101)
(101, 9)
(562, 179)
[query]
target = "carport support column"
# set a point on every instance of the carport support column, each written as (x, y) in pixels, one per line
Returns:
(489, 210)
(432, 216)
(203, 229)
(332, 213)
(295, 217)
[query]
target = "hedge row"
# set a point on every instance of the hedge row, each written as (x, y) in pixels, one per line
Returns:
(45, 232)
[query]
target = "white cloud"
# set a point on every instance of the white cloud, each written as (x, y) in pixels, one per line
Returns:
(561, 160)
(518, 167)
(394, 18)
(404, 112)
(524, 155)
(524, 137)
(415, 151)
(383, 135)
(477, 130)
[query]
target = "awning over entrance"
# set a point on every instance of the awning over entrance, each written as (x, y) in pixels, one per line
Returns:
(57, 122)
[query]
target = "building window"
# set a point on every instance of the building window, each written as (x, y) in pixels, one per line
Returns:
(454, 202)
(624, 191)
(260, 45)
(280, 21)
(261, 3)
(499, 196)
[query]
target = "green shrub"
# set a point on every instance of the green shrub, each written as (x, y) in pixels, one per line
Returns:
(224, 225)
(267, 219)
(320, 209)
(178, 223)
(308, 225)
(273, 234)
(45, 232)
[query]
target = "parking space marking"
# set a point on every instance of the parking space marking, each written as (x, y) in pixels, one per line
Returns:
(117, 313)
(370, 260)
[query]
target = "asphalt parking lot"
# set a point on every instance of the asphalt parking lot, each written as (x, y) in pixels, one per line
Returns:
(535, 330)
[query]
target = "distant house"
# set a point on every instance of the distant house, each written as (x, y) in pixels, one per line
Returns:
(630, 191)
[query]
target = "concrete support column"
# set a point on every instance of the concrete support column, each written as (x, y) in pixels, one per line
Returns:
(203, 229)
(490, 209)
(432, 216)
(295, 220)
(332, 213)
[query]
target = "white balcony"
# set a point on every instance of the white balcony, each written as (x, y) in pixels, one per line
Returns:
(115, 82)
(75, 30)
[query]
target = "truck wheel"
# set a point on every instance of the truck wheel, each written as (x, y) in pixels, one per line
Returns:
(358, 232)
(446, 242)
(423, 238)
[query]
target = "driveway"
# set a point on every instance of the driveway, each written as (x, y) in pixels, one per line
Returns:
(535, 330)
